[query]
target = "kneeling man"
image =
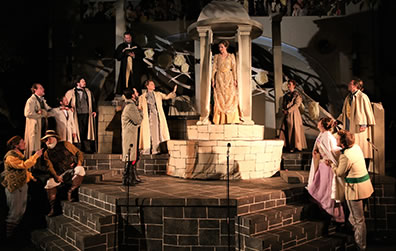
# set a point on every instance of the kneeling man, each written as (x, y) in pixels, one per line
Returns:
(64, 162)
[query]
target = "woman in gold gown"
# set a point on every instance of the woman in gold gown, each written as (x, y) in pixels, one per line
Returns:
(225, 87)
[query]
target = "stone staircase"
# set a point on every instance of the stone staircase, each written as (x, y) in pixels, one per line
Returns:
(295, 225)
(271, 220)
(90, 224)
(288, 227)
(81, 227)
(84, 225)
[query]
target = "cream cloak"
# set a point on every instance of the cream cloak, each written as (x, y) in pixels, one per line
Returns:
(145, 142)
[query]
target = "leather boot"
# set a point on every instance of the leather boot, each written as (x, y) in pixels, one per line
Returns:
(52, 201)
(76, 182)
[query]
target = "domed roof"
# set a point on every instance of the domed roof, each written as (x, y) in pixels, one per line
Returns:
(224, 16)
(221, 9)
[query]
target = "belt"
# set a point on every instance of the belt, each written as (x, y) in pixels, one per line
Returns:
(357, 180)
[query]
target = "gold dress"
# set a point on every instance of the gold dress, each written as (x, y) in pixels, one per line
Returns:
(226, 109)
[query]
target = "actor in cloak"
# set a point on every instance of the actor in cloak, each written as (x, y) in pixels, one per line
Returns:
(225, 87)
(131, 118)
(292, 130)
(358, 118)
(36, 112)
(131, 57)
(351, 166)
(65, 165)
(154, 128)
(64, 118)
(82, 100)
(16, 177)
(322, 183)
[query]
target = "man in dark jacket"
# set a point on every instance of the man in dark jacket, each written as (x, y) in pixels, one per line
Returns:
(131, 69)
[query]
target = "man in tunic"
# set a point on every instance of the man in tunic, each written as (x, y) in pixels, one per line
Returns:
(358, 118)
(36, 112)
(131, 69)
(352, 168)
(82, 101)
(65, 164)
(16, 177)
(154, 129)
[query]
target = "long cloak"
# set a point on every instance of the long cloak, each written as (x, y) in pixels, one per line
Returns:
(33, 124)
(361, 113)
(145, 135)
(131, 118)
(292, 130)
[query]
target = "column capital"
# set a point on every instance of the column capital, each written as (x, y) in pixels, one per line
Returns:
(202, 30)
(244, 30)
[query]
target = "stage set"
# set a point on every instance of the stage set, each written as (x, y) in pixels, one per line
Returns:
(222, 187)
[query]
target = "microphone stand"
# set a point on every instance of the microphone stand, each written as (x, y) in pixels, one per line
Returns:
(228, 196)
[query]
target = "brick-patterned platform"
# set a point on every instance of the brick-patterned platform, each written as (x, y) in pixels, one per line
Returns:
(167, 213)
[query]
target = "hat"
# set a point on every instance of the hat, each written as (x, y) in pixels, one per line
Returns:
(49, 133)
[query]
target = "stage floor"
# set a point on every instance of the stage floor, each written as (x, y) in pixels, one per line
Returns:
(166, 187)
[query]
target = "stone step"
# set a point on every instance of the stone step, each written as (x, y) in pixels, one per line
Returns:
(271, 199)
(78, 235)
(96, 176)
(93, 217)
(333, 242)
(102, 161)
(265, 220)
(296, 161)
(288, 236)
(295, 177)
(152, 164)
(44, 239)
(91, 195)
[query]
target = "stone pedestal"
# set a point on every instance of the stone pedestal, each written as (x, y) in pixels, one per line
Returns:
(204, 154)
(109, 129)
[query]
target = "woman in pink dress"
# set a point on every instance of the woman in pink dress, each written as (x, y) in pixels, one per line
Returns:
(322, 181)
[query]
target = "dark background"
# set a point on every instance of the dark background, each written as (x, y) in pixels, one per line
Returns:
(41, 41)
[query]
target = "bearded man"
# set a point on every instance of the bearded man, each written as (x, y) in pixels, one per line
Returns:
(65, 164)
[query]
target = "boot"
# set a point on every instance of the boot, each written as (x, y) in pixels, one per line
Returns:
(76, 182)
(52, 201)
(135, 174)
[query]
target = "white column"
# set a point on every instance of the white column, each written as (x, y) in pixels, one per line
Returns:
(244, 72)
(205, 40)
(197, 68)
